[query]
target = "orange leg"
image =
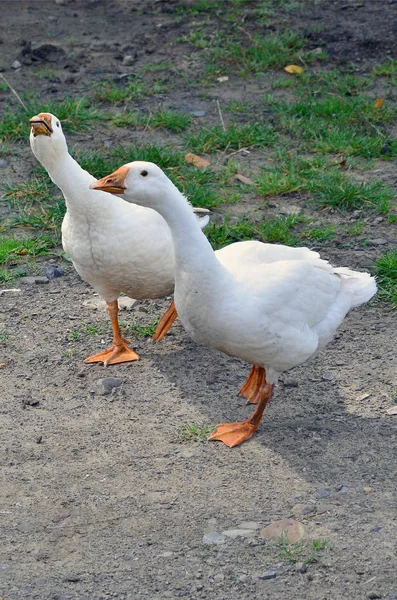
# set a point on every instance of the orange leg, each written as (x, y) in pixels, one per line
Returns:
(119, 352)
(166, 323)
(255, 381)
(233, 434)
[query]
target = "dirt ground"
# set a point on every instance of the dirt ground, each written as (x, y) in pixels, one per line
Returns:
(101, 496)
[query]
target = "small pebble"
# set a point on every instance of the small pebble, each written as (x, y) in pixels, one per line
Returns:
(268, 575)
(213, 537)
(301, 567)
(374, 595)
(322, 494)
(52, 272)
(290, 382)
(16, 64)
(105, 386)
(39, 439)
(128, 60)
(2, 163)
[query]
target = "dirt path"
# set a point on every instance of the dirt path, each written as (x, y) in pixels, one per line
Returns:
(101, 495)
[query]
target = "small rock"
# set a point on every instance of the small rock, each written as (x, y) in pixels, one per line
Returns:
(52, 272)
(235, 533)
(72, 578)
(198, 113)
(322, 494)
(33, 280)
(367, 490)
(39, 439)
(105, 385)
(377, 242)
(374, 595)
(301, 567)
(343, 489)
(293, 530)
(245, 152)
(213, 537)
(81, 373)
(2, 163)
(268, 575)
(249, 525)
(128, 60)
(126, 303)
(291, 382)
(328, 376)
(25, 527)
(301, 510)
(16, 64)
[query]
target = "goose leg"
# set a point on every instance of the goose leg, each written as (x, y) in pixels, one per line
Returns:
(255, 381)
(119, 352)
(165, 323)
(233, 434)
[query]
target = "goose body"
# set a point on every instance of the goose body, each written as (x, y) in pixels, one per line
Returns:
(272, 306)
(116, 247)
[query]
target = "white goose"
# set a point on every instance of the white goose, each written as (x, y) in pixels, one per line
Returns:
(269, 305)
(115, 246)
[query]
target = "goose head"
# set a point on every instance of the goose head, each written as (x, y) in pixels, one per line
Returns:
(46, 137)
(139, 182)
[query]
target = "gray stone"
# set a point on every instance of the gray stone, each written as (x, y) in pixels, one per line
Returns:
(26, 527)
(377, 242)
(126, 303)
(52, 271)
(374, 595)
(33, 280)
(128, 60)
(213, 537)
(235, 533)
(322, 494)
(249, 525)
(16, 64)
(291, 382)
(301, 510)
(328, 376)
(268, 575)
(198, 113)
(105, 385)
(301, 567)
(3, 163)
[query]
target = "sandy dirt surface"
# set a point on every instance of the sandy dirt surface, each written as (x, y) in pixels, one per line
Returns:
(101, 495)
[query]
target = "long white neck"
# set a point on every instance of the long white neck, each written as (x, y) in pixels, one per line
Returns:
(193, 253)
(67, 174)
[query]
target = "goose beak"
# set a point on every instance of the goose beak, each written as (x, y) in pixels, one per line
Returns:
(113, 183)
(41, 124)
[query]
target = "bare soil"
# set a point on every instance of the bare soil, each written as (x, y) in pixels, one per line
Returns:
(101, 496)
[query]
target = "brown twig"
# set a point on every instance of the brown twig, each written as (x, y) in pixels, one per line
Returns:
(18, 97)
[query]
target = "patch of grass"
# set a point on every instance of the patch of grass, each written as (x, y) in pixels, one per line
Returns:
(138, 330)
(75, 115)
(12, 247)
(195, 433)
(387, 69)
(233, 138)
(356, 229)
(336, 190)
(38, 204)
(4, 337)
(277, 230)
(7, 276)
(317, 234)
(386, 274)
(162, 119)
(125, 90)
(306, 552)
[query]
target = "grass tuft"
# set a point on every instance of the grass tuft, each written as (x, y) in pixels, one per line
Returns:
(386, 274)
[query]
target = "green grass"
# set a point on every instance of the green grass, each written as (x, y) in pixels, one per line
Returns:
(139, 330)
(196, 433)
(75, 115)
(36, 203)
(306, 552)
(126, 90)
(386, 274)
(13, 247)
(232, 138)
(161, 119)
(387, 69)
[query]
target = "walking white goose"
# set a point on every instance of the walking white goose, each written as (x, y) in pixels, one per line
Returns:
(115, 246)
(269, 305)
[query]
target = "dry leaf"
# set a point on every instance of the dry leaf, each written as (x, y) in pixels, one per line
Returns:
(197, 161)
(392, 410)
(244, 179)
(292, 69)
(379, 103)
(223, 78)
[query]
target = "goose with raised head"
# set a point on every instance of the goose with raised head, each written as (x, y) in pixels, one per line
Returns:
(116, 247)
(271, 306)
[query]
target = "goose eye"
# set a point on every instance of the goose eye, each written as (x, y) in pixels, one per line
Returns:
(144, 173)
(57, 123)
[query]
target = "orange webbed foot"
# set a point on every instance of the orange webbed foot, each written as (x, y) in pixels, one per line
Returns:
(233, 434)
(118, 353)
(165, 323)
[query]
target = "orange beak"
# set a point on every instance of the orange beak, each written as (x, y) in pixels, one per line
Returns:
(113, 183)
(41, 124)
